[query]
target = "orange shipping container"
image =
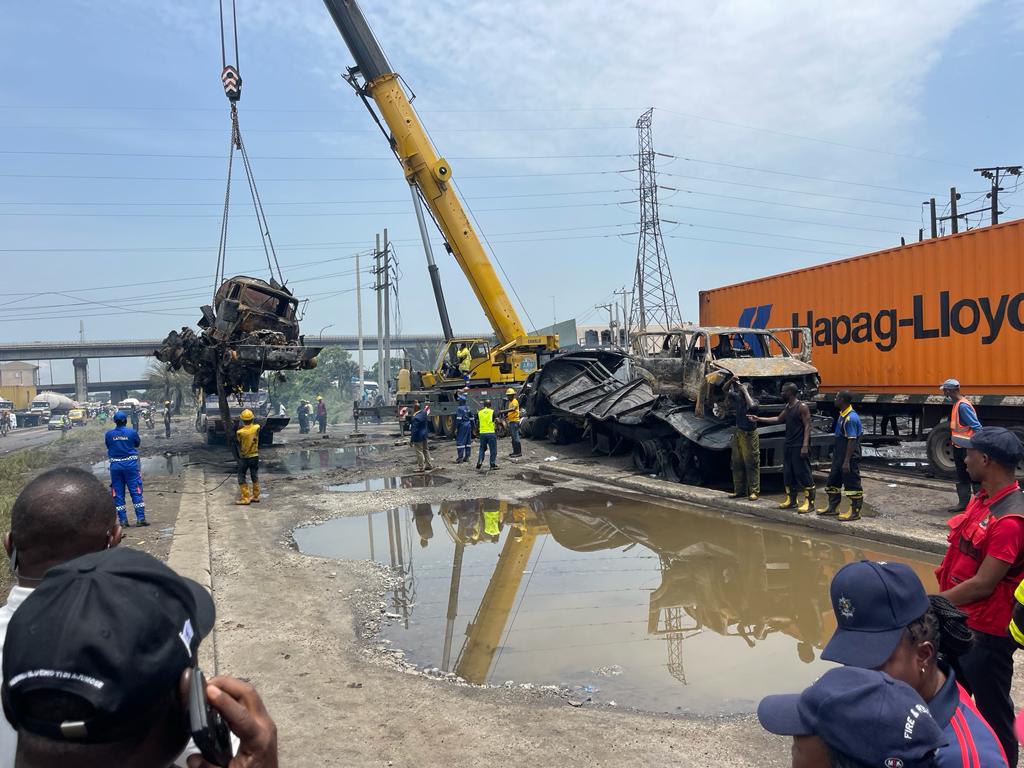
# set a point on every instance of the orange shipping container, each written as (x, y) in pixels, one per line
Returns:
(903, 320)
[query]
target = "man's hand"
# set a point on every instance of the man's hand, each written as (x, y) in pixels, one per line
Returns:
(752, 418)
(804, 451)
(243, 710)
(846, 467)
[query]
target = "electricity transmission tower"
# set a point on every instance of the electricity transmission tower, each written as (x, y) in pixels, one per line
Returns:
(654, 302)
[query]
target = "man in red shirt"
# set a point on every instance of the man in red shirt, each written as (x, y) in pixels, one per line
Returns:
(982, 568)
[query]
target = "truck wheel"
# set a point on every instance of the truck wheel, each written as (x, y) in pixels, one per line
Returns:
(526, 428)
(448, 424)
(562, 432)
(645, 457)
(691, 464)
(940, 451)
(436, 425)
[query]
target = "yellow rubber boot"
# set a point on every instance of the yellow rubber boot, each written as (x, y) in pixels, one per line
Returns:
(808, 503)
(255, 492)
(243, 495)
(789, 502)
(856, 505)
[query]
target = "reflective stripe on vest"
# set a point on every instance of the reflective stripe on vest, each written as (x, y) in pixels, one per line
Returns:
(955, 427)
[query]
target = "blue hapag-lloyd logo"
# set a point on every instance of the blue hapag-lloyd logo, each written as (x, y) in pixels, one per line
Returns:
(755, 317)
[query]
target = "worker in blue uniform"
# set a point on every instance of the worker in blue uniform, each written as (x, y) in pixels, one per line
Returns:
(125, 470)
(463, 431)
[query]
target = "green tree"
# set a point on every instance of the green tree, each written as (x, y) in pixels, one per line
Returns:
(165, 384)
(331, 379)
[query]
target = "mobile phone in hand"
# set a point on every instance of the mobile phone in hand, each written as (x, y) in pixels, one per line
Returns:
(209, 731)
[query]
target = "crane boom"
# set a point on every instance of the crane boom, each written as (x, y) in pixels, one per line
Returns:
(429, 173)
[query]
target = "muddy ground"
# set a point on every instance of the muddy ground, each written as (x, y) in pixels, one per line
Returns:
(303, 629)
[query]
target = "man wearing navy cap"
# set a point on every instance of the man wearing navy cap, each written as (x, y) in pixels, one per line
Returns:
(855, 715)
(963, 422)
(90, 678)
(982, 567)
(886, 621)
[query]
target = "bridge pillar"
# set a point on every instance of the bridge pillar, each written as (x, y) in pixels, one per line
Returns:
(117, 395)
(81, 365)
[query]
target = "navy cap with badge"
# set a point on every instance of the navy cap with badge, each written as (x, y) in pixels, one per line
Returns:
(110, 630)
(873, 603)
(863, 714)
(998, 442)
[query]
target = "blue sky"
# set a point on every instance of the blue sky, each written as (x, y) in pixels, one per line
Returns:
(114, 130)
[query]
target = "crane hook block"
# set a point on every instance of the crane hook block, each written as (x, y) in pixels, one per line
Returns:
(232, 83)
(441, 171)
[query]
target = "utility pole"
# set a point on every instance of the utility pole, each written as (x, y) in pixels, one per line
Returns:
(611, 324)
(387, 319)
(654, 294)
(935, 222)
(953, 218)
(625, 316)
(993, 175)
(359, 330)
(380, 319)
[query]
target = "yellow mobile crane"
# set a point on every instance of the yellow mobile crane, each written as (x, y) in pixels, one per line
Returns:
(516, 354)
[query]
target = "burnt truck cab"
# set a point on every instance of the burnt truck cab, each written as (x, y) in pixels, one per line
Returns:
(698, 364)
(251, 327)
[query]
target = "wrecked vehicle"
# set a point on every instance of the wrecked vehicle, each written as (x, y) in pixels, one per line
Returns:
(251, 328)
(672, 409)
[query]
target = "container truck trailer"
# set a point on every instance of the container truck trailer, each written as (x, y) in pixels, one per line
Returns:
(891, 326)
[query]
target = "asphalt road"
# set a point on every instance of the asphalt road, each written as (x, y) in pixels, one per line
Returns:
(29, 437)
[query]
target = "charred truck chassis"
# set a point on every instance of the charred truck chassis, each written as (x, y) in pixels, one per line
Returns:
(655, 416)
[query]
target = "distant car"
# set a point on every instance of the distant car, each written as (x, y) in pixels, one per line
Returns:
(53, 423)
(77, 416)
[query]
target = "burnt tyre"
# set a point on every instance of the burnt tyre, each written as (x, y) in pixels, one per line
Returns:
(692, 464)
(940, 451)
(562, 432)
(646, 457)
(526, 428)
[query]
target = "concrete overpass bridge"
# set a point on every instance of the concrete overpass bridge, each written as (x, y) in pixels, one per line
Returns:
(79, 352)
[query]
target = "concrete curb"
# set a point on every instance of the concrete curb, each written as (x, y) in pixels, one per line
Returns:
(190, 549)
(868, 528)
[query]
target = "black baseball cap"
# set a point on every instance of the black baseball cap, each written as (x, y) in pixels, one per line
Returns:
(114, 628)
(862, 713)
(873, 603)
(998, 442)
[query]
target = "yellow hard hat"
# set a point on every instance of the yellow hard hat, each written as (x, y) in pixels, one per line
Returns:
(246, 415)
(318, 397)
(510, 391)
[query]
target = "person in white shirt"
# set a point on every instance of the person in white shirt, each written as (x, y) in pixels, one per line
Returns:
(60, 515)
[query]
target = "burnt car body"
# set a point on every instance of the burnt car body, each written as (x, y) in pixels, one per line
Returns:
(251, 328)
(670, 406)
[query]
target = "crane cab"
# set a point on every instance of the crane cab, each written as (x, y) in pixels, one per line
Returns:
(489, 366)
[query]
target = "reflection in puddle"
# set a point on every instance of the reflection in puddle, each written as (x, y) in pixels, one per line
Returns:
(322, 459)
(388, 483)
(153, 466)
(694, 611)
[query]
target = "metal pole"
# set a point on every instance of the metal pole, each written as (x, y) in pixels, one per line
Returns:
(953, 197)
(435, 275)
(935, 222)
(359, 329)
(995, 197)
(380, 318)
(387, 319)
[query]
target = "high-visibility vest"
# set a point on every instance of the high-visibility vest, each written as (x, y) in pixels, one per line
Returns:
(486, 417)
(958, 429)
(464, 360)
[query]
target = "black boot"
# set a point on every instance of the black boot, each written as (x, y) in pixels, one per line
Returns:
(963, 495)
(856, 504)
(835, 498)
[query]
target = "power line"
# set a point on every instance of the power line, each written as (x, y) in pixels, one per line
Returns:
(776, 218)
(295, 178)
(261, 158)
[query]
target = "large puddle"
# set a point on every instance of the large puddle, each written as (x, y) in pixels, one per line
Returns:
(152, 466)
(323, 459)
(390, 483)
(656, 606)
